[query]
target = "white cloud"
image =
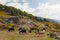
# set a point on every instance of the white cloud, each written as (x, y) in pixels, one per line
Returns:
(3, 1)
(15, 0)
(24, 0)
(48, 11)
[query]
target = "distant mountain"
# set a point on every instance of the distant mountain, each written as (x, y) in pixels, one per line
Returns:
(53, 20)
(49, 20)
(58, 21)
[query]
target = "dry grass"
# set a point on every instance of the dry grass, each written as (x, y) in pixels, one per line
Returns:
(4, 35)
(4, 14)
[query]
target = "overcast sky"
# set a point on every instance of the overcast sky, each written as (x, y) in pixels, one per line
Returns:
(44, 8)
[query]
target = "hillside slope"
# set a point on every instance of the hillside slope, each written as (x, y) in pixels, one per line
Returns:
(12, 16)
(13, 21)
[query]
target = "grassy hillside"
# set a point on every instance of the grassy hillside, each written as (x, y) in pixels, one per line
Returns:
(11, 17)
(4, 14)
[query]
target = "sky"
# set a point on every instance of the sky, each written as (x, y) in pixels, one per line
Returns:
(41, 8)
